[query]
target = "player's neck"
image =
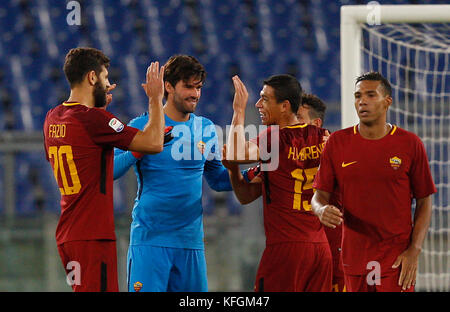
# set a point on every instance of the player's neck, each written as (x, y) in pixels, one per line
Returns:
(174, 114)
(374, 131)
(81, 96)
(288, 120)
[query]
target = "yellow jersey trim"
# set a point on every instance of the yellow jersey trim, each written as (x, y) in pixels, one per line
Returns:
(394, 128)
(71, 103)
(297, 126)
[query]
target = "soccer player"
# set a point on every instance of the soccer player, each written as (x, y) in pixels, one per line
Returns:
(297, 256)
(79, 136)
(166, 251)
(378, 168)
(312, 112)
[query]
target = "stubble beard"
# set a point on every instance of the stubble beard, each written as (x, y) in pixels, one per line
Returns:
(179, 104)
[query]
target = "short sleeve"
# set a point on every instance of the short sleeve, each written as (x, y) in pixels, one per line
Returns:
(105, 129)
(325, 178)
(422, 183)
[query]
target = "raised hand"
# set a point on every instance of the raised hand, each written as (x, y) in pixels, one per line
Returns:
(240, 95)
(154, 83)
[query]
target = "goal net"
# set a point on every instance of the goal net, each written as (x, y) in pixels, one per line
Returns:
(415, 58)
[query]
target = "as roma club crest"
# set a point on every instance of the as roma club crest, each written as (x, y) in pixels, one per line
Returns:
(395, 162)
(201, 146)
(137, 286)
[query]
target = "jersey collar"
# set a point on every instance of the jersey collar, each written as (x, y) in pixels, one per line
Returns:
(391, 132)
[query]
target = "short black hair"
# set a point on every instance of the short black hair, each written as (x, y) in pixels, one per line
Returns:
(376, 76)
(316, 105)
(183, 67)
(286, 87)
(80, 61)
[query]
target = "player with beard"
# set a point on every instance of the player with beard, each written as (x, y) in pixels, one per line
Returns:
(166, 251)
(79, 137)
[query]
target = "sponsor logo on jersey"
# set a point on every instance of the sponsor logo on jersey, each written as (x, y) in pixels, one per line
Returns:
(137, 286)
(395, 162)
(116, 124)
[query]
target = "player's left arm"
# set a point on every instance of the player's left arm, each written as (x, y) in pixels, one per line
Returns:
(408, 260)
(124, 160)
(217, 176)
(422, 188)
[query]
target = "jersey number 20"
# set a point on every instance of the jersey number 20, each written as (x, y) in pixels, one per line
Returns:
(58, 166)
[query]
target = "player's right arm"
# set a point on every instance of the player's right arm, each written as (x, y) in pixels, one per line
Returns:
(240, 150)
(245, 192)
(151, 139)
(324, 182)
(329, 215)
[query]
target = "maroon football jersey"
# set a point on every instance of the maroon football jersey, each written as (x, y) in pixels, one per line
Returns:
(79, 144)
(377, 180)
(287, 190)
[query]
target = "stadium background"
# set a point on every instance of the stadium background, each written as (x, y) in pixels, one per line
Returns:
(252, 38)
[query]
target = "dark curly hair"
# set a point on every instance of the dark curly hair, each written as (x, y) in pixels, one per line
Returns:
(183, 67)
(318, 107)
(80, 61)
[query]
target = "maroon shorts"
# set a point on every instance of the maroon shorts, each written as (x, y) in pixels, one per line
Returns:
(90, 265)
(338, 273)
(295, 266)
(388, 282)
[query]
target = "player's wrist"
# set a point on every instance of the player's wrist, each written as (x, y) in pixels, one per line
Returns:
(319, 211)
(155, 100)
(415, 249)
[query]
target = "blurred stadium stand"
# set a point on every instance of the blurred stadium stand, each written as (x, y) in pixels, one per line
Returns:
(254, 39)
